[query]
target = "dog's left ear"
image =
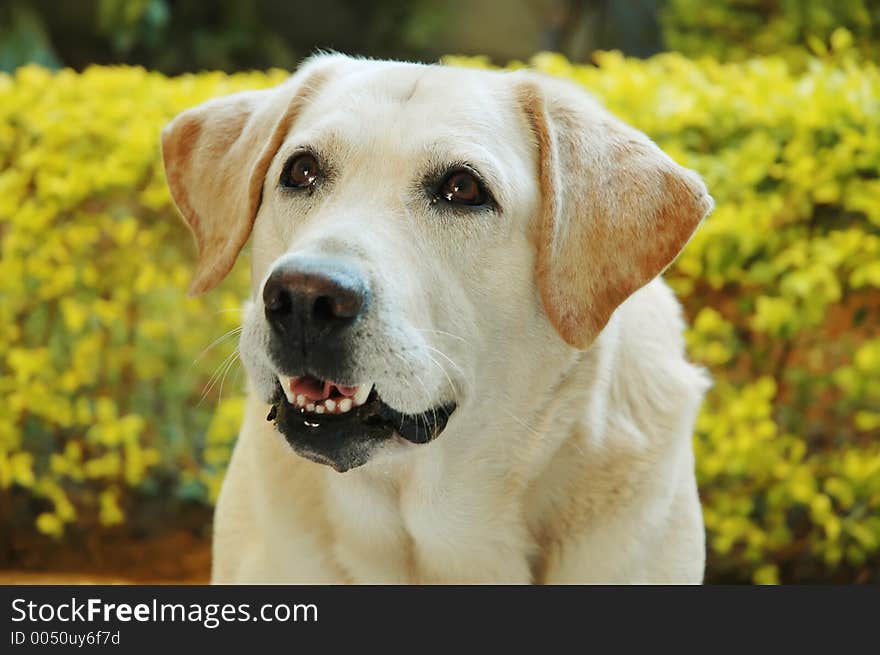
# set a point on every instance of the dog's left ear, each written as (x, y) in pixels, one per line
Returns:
(616, 210)
(216, 156)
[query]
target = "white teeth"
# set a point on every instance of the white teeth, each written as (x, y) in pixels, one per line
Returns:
(361, 395)
(326, 406)
(285, 384)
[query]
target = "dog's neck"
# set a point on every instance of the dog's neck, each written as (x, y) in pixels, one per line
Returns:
(435, 513)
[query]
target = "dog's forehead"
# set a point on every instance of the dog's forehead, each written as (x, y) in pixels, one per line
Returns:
(411, 97)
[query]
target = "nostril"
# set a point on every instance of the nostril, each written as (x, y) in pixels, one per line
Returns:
(342, 305)
(276, 299)
(324, 309)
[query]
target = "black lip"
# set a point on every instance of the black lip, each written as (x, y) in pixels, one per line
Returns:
(345, 441)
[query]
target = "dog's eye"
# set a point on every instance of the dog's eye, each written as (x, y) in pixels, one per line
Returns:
(463, 188)
(301, 172)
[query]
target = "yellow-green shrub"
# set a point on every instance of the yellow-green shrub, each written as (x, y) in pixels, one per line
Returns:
(735, 30)
(102, 373)
(101, 406)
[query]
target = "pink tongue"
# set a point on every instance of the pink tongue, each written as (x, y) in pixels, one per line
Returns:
(315, 389)
(310, 388)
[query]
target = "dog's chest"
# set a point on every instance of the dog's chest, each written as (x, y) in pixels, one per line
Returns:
(425, 528)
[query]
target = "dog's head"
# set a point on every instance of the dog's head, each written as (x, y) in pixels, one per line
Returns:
(428, 242)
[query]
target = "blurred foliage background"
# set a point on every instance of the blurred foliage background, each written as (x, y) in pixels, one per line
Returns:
(120, 398)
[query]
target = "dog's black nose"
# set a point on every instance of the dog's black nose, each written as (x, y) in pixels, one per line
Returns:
(308, 298)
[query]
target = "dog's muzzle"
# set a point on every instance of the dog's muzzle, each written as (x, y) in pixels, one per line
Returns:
(312, 306)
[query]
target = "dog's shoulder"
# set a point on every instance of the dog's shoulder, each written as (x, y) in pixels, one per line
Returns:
(652, 377)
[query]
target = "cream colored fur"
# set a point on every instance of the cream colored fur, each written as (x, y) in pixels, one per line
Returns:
(569, 457)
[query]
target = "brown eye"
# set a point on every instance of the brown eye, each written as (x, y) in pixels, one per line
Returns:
(463, 188)
(301, 172)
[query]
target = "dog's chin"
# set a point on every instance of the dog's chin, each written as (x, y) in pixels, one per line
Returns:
(347, 440)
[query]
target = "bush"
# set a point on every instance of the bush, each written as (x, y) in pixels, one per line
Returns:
(781, 286)
(102, 367)
(739, 29)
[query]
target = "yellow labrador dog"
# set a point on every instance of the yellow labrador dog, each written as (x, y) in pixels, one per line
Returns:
(470, 368)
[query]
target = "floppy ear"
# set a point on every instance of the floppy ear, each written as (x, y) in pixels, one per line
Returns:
(216, 156)
(616, 210)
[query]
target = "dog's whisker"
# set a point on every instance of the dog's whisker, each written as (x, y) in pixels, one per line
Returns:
(214, 375)
(427, 395)
(467, 378)
(232, 362)
(429, 403)
(238, 371)
(448, 334)
(212, 381)
(452, 384)
(231, 333)
(521, 422)
(400, 429)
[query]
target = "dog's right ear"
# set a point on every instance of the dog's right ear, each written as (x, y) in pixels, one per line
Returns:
(216, 156)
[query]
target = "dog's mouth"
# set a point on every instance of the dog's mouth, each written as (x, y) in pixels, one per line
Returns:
(340, 425)
(313, 395)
